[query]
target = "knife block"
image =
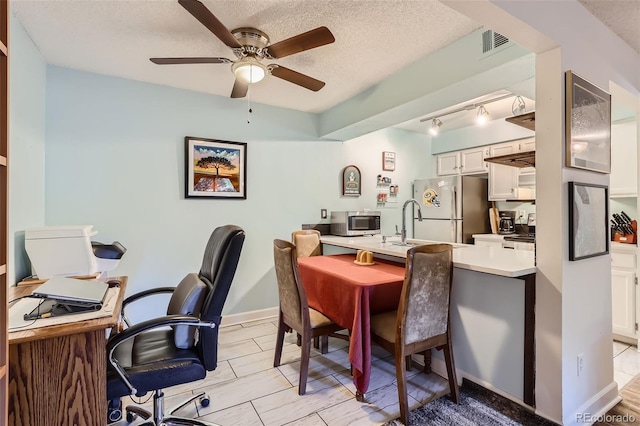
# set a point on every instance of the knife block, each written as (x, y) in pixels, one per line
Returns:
(627, 238)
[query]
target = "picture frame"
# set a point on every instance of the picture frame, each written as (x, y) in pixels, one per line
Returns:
(388, 161)
(587, 125)
(588, 220)
(215, 168)
(351, 181)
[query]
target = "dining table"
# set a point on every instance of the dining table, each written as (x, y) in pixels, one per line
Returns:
(349, 294)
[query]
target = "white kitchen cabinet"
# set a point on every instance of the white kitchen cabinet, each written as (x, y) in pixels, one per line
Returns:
(503, 180)
(624, 171)
(448, 163)
(623, 291)
(525, 145)
(466, 162)
(472, 160)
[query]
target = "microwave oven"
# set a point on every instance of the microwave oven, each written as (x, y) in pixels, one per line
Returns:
(354, 223)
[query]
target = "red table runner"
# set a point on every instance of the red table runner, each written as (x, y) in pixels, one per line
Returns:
(349, 294)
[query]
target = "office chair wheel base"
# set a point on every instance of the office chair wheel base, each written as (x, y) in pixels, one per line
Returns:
(205, 401)
(114, 412)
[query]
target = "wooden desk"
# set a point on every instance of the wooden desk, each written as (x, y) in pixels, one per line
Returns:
(58, 374)
(349, 294)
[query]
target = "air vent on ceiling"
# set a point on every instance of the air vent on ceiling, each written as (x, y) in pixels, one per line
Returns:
(492, 40)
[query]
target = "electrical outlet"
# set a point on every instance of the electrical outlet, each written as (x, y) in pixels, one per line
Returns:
(521, 214)
(323, 213)
(580, 363)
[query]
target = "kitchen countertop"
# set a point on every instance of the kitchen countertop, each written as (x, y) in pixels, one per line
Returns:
(490, 260)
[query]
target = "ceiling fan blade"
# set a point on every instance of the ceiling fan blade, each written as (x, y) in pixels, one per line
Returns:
(305, 41)
(171, 61)
(296, 78)
(208, 19)
(240, 89)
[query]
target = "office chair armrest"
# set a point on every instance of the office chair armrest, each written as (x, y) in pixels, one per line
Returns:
(133, 331)
(141, 295)
(145, 293)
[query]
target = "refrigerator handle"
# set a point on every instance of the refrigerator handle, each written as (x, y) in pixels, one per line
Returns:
(454, 223)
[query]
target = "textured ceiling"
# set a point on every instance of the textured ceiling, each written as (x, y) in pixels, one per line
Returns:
(622, 16)
(374, 39)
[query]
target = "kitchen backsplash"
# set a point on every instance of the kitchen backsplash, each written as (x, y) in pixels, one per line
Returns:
(517, 207)
(628, 205)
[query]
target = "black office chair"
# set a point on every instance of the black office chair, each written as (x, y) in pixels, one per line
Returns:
(143, 359)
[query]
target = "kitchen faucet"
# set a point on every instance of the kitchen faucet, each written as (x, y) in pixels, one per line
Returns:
(403, 233)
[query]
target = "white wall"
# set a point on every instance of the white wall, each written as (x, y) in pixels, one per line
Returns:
(115, 156)
(27, 92)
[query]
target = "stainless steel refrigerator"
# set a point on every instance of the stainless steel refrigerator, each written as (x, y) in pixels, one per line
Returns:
(453, 208)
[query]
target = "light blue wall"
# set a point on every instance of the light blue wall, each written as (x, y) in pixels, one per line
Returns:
(115, 156)
(27, 91)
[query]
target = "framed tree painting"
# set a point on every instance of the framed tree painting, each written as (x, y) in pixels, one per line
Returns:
(351, 181)
(588, 125)
(215, 169)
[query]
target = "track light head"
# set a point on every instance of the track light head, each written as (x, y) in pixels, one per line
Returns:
(435, 127)
(482, 116)
(518, 107)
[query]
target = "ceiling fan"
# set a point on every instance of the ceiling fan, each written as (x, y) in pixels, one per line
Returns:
(251, 46)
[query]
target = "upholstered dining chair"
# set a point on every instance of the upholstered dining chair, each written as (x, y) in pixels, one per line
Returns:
(421, 321)
(307, 242)
(162, 352)
(295, 312)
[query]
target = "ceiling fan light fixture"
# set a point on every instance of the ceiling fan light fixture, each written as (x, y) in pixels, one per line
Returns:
(249, 70)
(482, 116)
(435, 126)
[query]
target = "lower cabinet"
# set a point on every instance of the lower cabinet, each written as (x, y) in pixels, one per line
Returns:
(623, 292)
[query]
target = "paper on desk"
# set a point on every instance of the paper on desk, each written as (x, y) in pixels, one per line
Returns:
(26, 305)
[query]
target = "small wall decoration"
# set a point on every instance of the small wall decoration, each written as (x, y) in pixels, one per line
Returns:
(388, 161)
(351, 182)
(215, 169)
(588, 125)
(588, 220)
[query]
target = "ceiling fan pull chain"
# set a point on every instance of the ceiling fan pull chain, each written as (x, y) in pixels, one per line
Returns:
(249, 111)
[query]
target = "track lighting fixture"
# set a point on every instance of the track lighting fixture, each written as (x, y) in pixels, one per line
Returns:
(483, 115)
(435, 126)
(518, 107)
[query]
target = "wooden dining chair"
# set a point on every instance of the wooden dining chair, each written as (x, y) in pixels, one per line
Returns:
(307, 242)
(295, 312)
(421, 321)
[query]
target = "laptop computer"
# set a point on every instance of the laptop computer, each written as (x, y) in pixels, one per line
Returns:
(72, 291)
(62, 296)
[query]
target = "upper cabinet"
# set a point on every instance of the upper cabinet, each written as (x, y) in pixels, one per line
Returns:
(506, 182)
(624, 148)
(512, 182)
(465, 162)
(503, 180)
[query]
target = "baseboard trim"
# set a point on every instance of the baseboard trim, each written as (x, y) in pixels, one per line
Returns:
(262, 314)
(596, 405)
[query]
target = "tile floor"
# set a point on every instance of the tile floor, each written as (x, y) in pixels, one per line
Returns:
(245, 389)
(626, 363)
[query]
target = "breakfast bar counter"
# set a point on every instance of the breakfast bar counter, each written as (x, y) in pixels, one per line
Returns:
(490, 260)
(492, 310)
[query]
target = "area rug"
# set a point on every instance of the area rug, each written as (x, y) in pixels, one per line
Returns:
(478, 406)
